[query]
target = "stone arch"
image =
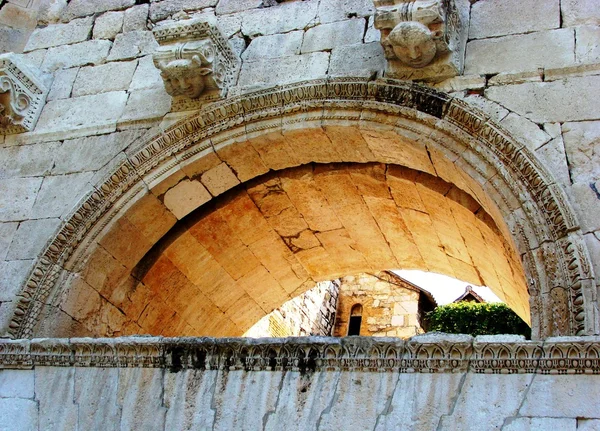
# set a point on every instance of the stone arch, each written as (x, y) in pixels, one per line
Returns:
(502, 172)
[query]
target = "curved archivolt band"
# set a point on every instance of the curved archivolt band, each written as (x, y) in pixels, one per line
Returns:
(546, 231)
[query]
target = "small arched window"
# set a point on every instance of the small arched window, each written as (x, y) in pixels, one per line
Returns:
(355, 320)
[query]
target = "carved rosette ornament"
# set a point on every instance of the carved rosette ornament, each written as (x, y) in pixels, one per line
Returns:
(195, 61)
(22, 96)
(423, 40)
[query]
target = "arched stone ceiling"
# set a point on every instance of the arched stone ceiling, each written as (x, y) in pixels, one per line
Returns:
(338, 120)
(223, 267)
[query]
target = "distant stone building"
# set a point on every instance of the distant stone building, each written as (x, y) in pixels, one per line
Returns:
(469, 295)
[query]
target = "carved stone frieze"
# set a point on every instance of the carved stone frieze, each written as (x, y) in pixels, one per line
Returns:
(429, 353)
(22, 95)
(195, 61)
(423, 39)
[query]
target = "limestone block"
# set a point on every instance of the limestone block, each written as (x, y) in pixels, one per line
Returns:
(12, 277)
(95, 393)
(540, 424)
(550, 102)
(244, 159)
(587, 49)
(553, 154)
(31, 237)
(588, 424)
(298, 16)
(526, 52)
(106, 77)
(54, 394)
(18, 197)
(284, 70)
(525, 131)
(492, 109)
(219, 179)
(136, 18)
(230, 24)
(161, 10)
(138, 107)
(188, 394)
(231, 6)
(357, 60)
(62, 84)
(18, 17)
(503, 17)
(49, 11)
(77, 30)
(16, 384)
(58, 194)
(585, 197)
(372, 34)
(333, 35)
(185, 197)
(18, 414)
(338, 10)
(593, 244)
(273, 46)
(552, 396)
(13, 39)
(460, 83)
(84, 112)
(140, 397)
(582, 144)
(77, 8)
(34, 58)
(7, 231)
(132, 44)
(27, 160)
(504, 78)
(577, 12)
(146, 75)
(79, 54)
(108, 25)
(238, 45)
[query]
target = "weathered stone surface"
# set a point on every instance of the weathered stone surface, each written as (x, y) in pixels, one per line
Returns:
(219, 179)
(13, 274)
(540, 424)
(588, 424)
(492, 109)
(587, 49)
(77, 30)
(82, 112)
(58, 382)
(186, 197)
(552, 48)
(16, 384)
(13, 39)
(14, 16)
(95, 393)
(526, 131)
(138, 107)
(49, 11)
(553, 154)
(372, 34)
(333, 35)
(18, 414)
(585, 197)
(460, 83)
(550, 102)
(136, 18)
(132, 44)
(273, 46)
(59, 193)
(577, 12)
(504, 78)
(7, 231)
(62, 84)
(106, 77)
(108, 25)
(31, 237)
(161, 10)
(367, 60)
(146, 75)
(79, 54)
(78, 8)
(298, 16)
(500, 18)
(231, 6)
(284, 70)
(230, 24)
(27, 160)
(338, 10)
(582, 144)
(140, 395)
(18, 197)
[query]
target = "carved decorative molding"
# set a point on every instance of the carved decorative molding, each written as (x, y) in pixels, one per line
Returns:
(423, 39)
(430, 353)
(568, 269)
(195, 61)
(22, 96)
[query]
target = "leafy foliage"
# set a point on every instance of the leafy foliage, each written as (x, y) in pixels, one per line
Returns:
(477, 319)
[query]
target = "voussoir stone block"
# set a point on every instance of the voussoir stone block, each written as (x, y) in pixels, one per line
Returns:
(132, 44)
(103, 78)
(18, 197)
(524, 52)
(79, 54)
(136, 18)
(138, 108)
(108, 25)
(333, 35)
(77, 30)
(273, 46)
(13, 274)
(582, 144)
(62, 84)
(146, 75)
(577, 12)
(503, 17)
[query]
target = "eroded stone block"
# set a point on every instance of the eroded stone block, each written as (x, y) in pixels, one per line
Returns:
(79, 54)
(131, 45)
(582, 144)
(576, 12)
(77, 30)
(285, 69)
(106, 77)
(107, 26)
(333, 35)
(273, 46)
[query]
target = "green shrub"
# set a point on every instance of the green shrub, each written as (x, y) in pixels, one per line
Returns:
(477, 319)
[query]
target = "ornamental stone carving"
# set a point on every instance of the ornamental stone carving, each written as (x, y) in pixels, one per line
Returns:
(195, 61)
(423, 39)
(22, 96)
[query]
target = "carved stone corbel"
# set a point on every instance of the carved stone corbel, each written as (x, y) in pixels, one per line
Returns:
(22, 95)
(195, 61)
(423, 40)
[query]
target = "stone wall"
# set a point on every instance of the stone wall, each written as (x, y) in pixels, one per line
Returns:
(532, 66)
(430, 382)
(390, 308)
(311, 313)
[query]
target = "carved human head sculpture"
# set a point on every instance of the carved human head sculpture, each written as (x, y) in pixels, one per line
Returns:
(413, 44)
